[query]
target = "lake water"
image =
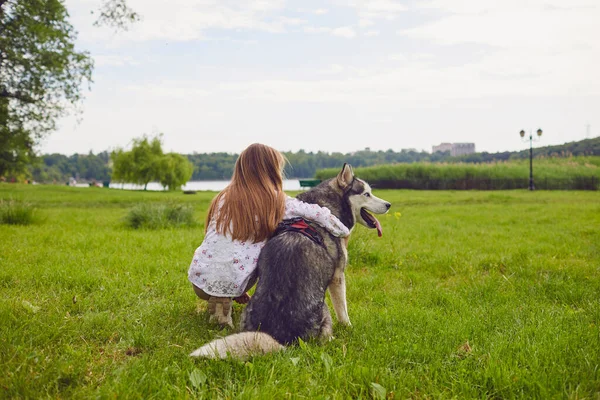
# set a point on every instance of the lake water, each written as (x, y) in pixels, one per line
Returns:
(216, 186)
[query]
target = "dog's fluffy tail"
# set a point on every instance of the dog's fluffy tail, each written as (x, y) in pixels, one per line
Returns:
(239, 345)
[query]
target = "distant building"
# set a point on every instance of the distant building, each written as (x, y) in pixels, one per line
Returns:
(442, 147)
(461, 149)
(456, 149)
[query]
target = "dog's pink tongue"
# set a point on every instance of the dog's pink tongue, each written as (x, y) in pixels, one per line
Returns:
(378, 226)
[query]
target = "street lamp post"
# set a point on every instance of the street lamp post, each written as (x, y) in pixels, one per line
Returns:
(539, 133)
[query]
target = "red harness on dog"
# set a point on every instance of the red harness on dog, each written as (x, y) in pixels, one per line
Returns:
(299, 225)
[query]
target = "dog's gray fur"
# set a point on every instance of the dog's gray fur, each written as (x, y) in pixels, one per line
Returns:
(294, 272)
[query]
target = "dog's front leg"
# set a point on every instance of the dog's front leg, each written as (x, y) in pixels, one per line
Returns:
(337, 292)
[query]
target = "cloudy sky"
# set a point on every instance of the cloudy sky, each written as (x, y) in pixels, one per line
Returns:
(217, 75)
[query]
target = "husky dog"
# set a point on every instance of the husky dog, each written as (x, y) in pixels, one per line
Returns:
(294, 271)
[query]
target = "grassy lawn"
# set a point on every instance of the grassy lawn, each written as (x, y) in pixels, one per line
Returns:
(466, 295)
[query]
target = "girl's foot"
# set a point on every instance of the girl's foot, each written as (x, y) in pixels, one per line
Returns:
(243, 299)
(219, 311)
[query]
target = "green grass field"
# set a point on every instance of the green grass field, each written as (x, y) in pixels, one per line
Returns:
(466, 295)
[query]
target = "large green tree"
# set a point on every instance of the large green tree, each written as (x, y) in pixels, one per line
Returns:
(42, 75)
(146, 163)
(174, 171)
(140, 165)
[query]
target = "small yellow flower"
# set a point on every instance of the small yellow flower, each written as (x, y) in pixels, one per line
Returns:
(397, 215)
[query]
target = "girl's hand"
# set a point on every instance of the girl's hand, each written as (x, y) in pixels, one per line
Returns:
(339, 229)
(243, 299)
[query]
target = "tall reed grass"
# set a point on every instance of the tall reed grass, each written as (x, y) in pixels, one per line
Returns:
(544, 169)
(16, 212)
(160, 216)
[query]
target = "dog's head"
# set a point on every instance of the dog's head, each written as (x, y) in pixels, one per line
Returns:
(360, 198)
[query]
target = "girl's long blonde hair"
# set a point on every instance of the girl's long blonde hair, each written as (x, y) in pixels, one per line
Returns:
(253, 203)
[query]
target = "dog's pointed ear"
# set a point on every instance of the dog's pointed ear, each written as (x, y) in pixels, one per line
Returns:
(345, 177)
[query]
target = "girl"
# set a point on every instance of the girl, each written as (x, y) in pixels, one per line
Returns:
(240, 220)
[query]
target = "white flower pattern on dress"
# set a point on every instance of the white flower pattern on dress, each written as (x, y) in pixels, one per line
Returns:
(217, 266)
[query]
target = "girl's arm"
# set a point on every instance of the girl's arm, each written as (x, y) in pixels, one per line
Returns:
(316, 213)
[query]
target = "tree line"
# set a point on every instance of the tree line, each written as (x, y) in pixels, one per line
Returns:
(58, 168)
(302, 164)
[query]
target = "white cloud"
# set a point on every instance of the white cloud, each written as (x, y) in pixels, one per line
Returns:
(183, 20)
(316, 29)
(321, 11)
(344, 31)
(171, 90)
(333, 69)
(534, 28)
(372, 33)
(478, 7)
(417, 80)
(291, 21)
(534, 46)
(537, 24)
(411, 57)
(371, 9)
(114, 60)
(364, 23)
